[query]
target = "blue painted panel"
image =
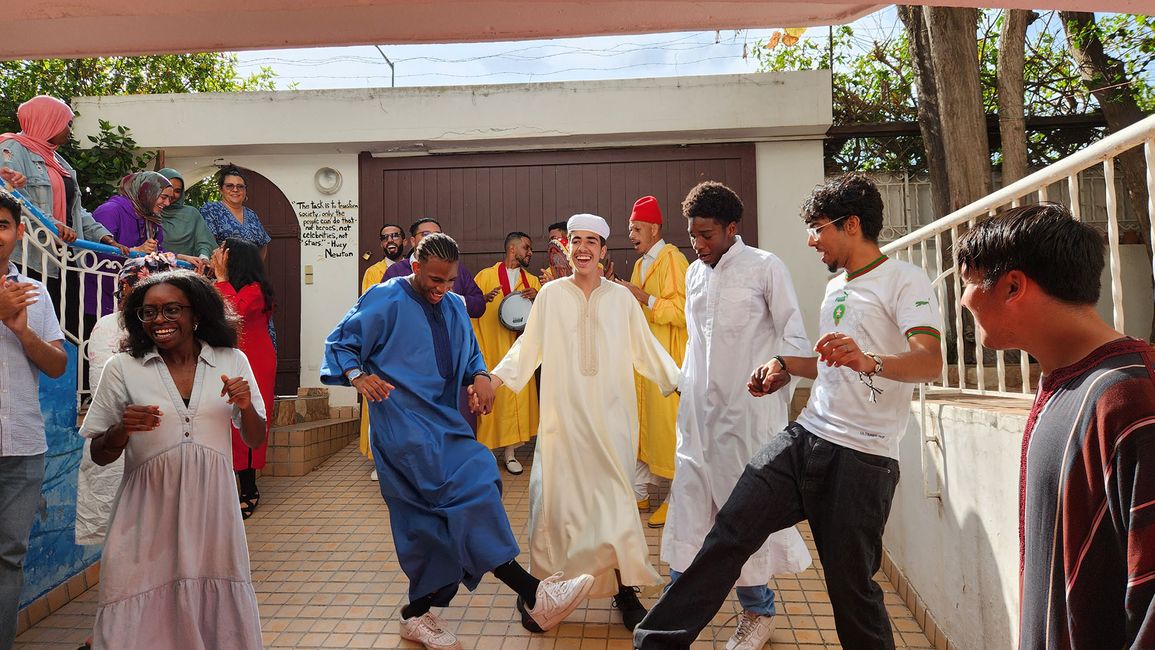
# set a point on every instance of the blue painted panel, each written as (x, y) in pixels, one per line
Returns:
(53, 555)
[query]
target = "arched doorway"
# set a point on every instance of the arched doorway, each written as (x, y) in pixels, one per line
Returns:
(283, 262)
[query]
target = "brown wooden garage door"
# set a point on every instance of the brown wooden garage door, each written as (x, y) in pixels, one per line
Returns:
(478, 198)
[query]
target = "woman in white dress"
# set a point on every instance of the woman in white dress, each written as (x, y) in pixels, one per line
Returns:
(175, 570)
(96, 485)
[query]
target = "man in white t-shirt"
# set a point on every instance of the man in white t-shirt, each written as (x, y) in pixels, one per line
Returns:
(837, 465)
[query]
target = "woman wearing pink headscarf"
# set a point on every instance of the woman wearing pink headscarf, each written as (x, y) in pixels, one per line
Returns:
(29, 160)
(48, 180)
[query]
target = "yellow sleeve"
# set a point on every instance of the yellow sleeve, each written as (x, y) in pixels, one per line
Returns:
(670, 306)
(373, 276)
(650, 359)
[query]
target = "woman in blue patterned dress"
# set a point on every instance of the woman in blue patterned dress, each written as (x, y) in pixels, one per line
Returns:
(229, 217)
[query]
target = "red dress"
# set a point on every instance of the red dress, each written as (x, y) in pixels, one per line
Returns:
(249, 303)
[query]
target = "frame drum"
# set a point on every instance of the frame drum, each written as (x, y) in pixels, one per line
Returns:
(513, 312)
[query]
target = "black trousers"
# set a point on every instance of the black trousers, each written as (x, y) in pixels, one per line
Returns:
(846, 496)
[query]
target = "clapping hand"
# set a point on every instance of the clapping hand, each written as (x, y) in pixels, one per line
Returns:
(15, 298)
(238, 392)
(639, 295)
(140, 418)
(14, 178)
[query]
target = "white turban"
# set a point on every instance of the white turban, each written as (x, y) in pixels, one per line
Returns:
(590, 222)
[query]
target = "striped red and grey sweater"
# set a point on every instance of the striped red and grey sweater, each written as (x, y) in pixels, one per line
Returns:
(1087, 505)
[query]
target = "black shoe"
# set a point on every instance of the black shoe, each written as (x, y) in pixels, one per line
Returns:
(526, 620)
(631, 608)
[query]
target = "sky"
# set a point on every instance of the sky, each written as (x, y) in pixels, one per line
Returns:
(570, 59)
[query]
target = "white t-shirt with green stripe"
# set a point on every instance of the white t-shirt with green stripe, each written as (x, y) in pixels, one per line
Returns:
(879, 306)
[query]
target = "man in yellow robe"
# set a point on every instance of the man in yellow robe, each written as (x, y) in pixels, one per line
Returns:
(513, 420)
(658, 282)
(392, 247)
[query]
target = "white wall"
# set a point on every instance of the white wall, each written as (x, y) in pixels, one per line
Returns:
(333, 289)
(1138, 297)
(672, 110)
(787, 173)
(961, 553)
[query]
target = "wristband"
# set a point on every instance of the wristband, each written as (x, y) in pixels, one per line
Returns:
(781, 362)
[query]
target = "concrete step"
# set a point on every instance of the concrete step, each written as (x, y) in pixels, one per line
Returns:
(296, 449)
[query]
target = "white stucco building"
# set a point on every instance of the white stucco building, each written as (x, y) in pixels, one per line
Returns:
(761, 132)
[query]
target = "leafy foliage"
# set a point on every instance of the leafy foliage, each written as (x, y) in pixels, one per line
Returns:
(100, 168)
(114, 153)
(873, 83)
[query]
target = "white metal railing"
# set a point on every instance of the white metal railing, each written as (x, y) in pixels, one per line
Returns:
(81, 273)
(924, 247)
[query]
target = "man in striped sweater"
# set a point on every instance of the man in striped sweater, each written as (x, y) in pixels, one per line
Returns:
(1087, 483)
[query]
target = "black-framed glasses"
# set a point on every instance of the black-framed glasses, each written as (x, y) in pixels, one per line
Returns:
(170, 312)
(392, 235)
(236, 187)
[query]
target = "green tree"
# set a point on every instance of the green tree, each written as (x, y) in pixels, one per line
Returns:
(874, 81)
(113, 152)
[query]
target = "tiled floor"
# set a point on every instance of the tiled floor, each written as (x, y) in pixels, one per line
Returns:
(326, 577)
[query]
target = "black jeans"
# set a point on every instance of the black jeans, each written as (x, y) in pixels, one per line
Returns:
(846, 496)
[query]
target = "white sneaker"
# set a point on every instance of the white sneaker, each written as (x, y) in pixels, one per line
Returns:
(753, 632)
(373, 476)
(557, 598)
(429, 630)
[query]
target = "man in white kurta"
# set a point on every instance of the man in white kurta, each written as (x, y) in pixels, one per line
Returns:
(740, 307)
(589, 335)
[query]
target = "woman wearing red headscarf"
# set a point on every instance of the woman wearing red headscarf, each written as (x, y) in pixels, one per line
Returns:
(29, 159)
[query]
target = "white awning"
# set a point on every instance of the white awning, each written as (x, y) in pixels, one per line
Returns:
(76, 28)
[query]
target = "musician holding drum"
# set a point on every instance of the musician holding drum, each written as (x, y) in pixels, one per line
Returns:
(509, 289)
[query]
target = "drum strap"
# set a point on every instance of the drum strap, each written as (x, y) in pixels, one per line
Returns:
(503, 278)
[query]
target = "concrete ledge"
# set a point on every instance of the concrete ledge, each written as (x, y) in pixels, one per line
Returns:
(57, 598)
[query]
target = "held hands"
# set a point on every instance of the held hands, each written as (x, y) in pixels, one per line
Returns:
(372, 387)
(138, 418)
(767, 378)
(237, 390)
(481, 395)
(492, 294)
(839, 350)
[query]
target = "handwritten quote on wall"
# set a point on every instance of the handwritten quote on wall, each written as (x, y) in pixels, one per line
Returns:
(327, 225)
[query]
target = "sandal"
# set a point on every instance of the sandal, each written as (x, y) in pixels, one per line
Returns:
(249, 505)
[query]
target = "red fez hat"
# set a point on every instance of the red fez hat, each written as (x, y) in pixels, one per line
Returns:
(646, 209)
